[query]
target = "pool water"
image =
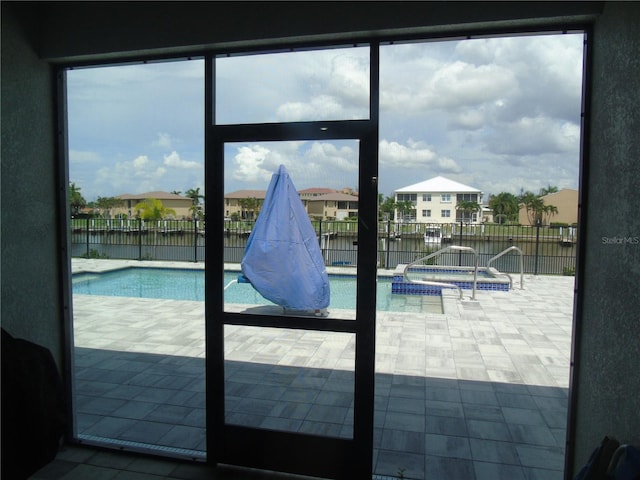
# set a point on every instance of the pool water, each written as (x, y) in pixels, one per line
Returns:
(178, 284)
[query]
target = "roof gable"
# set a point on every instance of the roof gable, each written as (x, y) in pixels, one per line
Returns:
(336, 197)
(565, 192)
(438, 184)
(157, 195)
(258, 194)
(316, 191)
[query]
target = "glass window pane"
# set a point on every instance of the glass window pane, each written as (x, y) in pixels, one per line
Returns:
(499, 115)
(290, 249)
(136, 150)
(294, 86)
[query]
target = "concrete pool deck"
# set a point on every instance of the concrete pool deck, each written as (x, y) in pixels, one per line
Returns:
(479, 392)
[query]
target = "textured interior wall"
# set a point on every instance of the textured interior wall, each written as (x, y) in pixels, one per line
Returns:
(30, 272)
(608, 377)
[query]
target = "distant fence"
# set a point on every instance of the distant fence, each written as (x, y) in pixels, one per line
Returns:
(546, 250)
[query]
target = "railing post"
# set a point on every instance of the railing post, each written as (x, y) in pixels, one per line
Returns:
(88, 252)
(195, 239)
(535, 268)
(460, 253)
(139, 238)
(386, 260)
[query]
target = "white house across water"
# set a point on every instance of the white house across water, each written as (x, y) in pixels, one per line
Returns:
(435, 201)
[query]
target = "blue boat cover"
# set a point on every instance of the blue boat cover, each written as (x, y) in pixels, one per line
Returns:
(282, 259)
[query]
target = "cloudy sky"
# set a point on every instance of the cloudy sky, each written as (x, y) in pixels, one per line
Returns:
(497, 114)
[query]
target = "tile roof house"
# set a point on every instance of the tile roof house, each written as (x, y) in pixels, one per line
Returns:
(181, 205)
(234, 203)
(332, 206)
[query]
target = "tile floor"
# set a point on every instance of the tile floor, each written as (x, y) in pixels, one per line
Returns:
(479, 392)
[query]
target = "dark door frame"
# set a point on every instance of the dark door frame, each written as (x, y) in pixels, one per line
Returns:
(275, 450)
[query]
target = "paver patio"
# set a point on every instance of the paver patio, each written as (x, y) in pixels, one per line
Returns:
(477, 392)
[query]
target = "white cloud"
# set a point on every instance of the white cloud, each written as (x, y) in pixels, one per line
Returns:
(310, 164)
(461, 84)
(164, 141)
(174, 160)
(535, 136)
(485, 109)
(472, 119)
(139, 163)
(77, 157)
(350, 79)
(322, 107)
(448, 165)
(414, 155)
(330, 156)
(134, 176)
(248, 164)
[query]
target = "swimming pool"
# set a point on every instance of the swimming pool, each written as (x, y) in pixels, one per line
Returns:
(185, 284)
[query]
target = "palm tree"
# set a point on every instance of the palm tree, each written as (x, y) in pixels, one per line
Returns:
(386, 205)
(194, 195)
(153, 209)
(250, 204)
(404, 207)
(76, 200)
(106, 204)
(467, 208)
(504, 206)
(549, 189)
(536, 209)
(196, 212)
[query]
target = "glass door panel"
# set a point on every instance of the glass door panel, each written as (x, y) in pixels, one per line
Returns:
(291, 359)
(277, 277)
(297, 383)
(290, 380)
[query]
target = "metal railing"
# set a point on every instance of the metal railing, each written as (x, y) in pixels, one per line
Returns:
(504, 252)
(456, 248)
(545, 250)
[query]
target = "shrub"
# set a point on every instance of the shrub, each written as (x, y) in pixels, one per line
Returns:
(93, 253)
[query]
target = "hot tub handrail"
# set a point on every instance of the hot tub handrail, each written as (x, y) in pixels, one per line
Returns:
(458, 248)
(230, 283)
(431, 283)
(504, 252)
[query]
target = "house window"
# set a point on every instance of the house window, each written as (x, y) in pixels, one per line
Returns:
(426, 197)
(445, 198)
(426, 213)
(467, 197)
(408, 197)
(445, 213)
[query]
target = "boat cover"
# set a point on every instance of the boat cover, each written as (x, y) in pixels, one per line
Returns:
(282, 259)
